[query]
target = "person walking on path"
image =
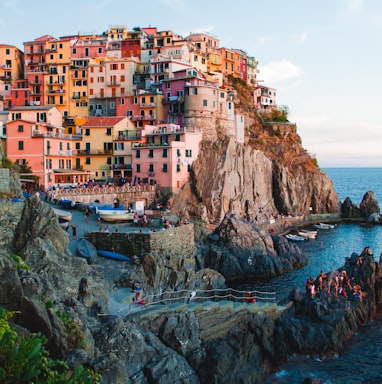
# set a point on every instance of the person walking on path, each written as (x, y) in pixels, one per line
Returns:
(86, 214)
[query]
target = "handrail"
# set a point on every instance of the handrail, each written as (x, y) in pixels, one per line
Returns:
(185, 296)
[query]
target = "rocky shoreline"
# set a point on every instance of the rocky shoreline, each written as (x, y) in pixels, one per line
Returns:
(180, 346)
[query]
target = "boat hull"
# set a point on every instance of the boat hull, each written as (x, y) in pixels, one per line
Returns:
(110, 215)
(113, 255)
(64, 215)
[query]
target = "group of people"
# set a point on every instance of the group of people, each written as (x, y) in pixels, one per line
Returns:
(338, 285)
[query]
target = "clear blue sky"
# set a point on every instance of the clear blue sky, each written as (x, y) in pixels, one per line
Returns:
(323, 57)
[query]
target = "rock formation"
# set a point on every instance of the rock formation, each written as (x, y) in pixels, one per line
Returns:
(42, 280)
(256, 184)
(241, 251)
(367, 210)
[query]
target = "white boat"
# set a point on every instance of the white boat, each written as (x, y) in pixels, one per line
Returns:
(115, 215)
(308, 234)
(291, 237)
(63, 215)
(324, 226)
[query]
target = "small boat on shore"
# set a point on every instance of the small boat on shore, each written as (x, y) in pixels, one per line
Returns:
(307, 234)
(87, 250)
(292, 237)
(324, 226)
(113, 255)
(63, 215)
(115, 215)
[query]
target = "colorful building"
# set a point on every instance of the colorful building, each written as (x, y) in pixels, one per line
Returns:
(35, 137)
(165, 158)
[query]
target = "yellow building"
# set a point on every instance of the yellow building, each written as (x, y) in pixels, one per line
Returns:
(98, 135)
(56, 78)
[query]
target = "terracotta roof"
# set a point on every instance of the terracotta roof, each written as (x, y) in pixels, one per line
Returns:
(103, 121)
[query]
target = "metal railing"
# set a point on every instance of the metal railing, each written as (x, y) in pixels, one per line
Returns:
(198, 296)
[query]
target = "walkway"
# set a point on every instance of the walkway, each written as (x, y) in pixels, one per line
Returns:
(122, 302)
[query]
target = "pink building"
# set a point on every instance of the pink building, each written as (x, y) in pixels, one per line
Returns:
(265, 97)
(165, 159)
(35, 137)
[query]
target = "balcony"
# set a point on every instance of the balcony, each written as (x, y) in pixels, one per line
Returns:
(59, 91)
(113, 83)
(127, 138)
(89, 152)
(55, 135)
(143, 118)
(120, 166)
(147, 105)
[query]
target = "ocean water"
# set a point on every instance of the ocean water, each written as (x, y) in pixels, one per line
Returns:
(361, 359)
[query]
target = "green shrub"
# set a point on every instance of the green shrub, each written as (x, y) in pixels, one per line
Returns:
(25, 360)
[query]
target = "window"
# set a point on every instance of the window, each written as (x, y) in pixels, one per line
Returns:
(178, 153)
(151, 153)
(87, 160)
(7, 51)
(87, 131)
(164, 168)
(108, 131)
(204, 103)
(188, 153)
(188, 167)
(20, 128)
(108, 160)
(60, 145)
(112, 104)
(151, 167)
(21, 145)
(138, 153)
(178, 167)
(138, 168)
(164, 152)
(68, 146)
(100, 50)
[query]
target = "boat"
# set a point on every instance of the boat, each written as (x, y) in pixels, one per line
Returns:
(113, 255)
(307, 234)
(324, 226)
(292, 237)
(115, 215)
(63, 215)
(87, 250)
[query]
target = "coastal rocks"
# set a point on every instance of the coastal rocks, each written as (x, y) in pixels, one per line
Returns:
(367, 210)
(240, 251)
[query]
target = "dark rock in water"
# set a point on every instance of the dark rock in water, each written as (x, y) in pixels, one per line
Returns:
(239, 251)
(350, 210)
(368, 208)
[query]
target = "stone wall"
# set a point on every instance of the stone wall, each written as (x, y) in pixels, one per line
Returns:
(173, 241)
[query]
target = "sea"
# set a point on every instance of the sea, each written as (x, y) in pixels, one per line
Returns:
(361, 359)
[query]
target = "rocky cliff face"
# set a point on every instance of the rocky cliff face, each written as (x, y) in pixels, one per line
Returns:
(257, 180)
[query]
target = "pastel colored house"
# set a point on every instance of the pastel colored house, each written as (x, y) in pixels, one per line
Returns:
(98, 141)
(265, 97)
(165, 158)
(35, 137)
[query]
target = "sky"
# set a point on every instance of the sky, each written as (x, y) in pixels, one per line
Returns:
(323, 57)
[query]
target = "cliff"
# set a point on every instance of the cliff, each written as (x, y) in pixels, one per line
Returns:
(269, 174)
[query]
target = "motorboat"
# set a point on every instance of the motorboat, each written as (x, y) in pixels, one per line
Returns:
(324, 226)
(307, 234)
(292, 237)
(115, 215)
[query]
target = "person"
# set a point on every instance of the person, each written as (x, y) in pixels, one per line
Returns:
(74, 232)
(310, 288)
(98, 219)
(249, 298)
(86, 214)
(192, 296)
(135, 218)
